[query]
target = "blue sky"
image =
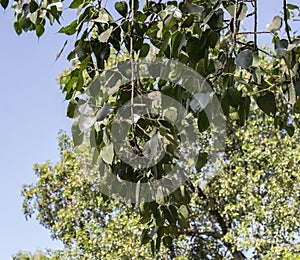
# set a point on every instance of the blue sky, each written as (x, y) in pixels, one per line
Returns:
(32, 111)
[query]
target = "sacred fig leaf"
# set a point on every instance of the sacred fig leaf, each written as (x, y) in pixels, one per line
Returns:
(241, 11)
(244, 59)
(144, 50)
(145, 238)
(193, 48)
(39, 30)
(18, 27)
(86, 121)
(77, 135)
(184, 211)
(275, 25)
(201, 161)
(104, 36)
(244, 109)
(122, 8)
(233, 96)
(167, 241)
(4, 3)
(70, 29)
(107, 153)
(203, 122)
(267, 103)
(281, 47)
(72, 108)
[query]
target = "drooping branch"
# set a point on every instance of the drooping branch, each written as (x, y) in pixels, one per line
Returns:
(285, 18)
(255, 24)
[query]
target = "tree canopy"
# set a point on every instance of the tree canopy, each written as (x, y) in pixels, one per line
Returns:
(151, 84)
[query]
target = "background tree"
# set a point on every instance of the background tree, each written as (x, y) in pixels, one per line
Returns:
(250, 207)
(239, 210)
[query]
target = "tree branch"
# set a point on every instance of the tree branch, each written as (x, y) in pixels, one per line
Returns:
(287, 29)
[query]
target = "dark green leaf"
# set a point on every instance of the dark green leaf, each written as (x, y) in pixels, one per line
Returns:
(244, 59)
(193, 48)
(122, 8)
(233, 96)
(281, 47)
(71, 108)
(267, 103)
(145, 237)
(167, 240)
(290, 129)
(201, 161)
(33, 6)
(203, 122)
(144, 50)
(244, 109)
(4, 3)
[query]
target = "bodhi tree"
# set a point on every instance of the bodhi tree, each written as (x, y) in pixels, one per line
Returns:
(192, 78)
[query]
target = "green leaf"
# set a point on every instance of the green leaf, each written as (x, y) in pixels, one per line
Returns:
(77, 135)
(290, 129)
(152, 248)
(244, 109)
(145, 237)
(244, 59)
(194, 50)
(201, 161)
(107, 153)
(103, 112)
(61, 51)
(144, 50)
(72, 108)
(95, 87)
(184, 211)
(76, 3)
(18, 27)
(122, 8)
(267, 103)
(4, 3)
(233, 96)
(203, 122)
(275, 25)
(39, 30)
(167, 241)
(292, 7)
(70, 29)
(281, 47)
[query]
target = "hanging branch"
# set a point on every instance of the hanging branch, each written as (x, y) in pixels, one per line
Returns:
(235, 26)
(132, 61)
(255, 24)
(287, 29)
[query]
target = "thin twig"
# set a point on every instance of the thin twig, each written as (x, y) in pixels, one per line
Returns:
(255, 24)
(235, 26)
(132, 62)
(287, 29)
(261, 50)
(255, 33)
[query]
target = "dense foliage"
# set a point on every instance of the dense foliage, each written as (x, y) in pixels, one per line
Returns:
(251, 206)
